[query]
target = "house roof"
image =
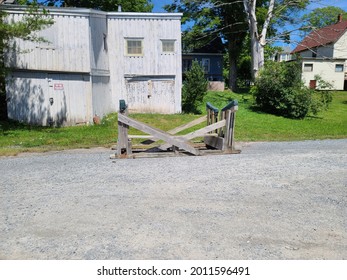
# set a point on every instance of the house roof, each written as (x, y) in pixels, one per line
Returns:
(321, 37)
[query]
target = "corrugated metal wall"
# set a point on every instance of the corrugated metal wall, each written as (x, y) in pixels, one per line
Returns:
(103, 101)
(150, 94)
(84, 71)
(49, 99)
(68, 49)
(98, 44)
(154, 65)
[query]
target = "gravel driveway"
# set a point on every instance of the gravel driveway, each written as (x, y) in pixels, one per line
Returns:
(281, 200)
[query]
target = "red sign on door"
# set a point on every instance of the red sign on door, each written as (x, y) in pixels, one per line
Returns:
(58, 86)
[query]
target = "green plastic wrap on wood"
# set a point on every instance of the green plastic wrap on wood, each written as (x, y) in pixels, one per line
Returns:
(209, 106)
(231, 104)
(122, 105)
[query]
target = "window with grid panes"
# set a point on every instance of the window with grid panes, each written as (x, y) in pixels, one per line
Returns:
(168, 46)
(134, 47)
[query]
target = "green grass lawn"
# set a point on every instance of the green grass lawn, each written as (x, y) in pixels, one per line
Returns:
(250, 126)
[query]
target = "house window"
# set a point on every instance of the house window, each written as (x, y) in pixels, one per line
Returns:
(205, 63)
(339, 68)
(134, 47)
(168, 46)
(186, 65)
(308, 67)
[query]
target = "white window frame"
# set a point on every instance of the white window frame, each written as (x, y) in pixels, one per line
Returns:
(127, 41)
(164, 48)
(308, 67)
(339, 68)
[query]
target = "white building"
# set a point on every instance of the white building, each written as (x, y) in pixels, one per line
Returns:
(324, 53)
(283, 55)
(94, 59)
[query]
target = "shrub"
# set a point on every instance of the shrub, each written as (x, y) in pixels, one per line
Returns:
(279, 90)
(194, 88)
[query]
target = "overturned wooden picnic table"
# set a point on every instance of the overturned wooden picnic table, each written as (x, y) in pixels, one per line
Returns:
(218, 135)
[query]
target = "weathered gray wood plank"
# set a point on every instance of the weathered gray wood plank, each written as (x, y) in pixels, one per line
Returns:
(227, 131)
(204, 130)
(140, 136)
(197, 133)
(187, 125)
(214, 141)
(179, 128)
(157, 133)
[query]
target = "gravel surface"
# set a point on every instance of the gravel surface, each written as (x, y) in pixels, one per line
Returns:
(282, 200)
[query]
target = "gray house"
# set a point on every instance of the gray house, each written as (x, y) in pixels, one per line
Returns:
(94, 59)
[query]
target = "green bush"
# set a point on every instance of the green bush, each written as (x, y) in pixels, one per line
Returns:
(279, 90)
(194, 88)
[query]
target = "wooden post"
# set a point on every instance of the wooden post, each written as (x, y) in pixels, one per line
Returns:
(231, 131)
(226, 130)
(123, 144)
(225, 138)
(212, 115)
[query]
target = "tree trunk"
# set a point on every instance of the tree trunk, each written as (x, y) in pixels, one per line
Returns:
(233, 54)
(257, 56)
(258, 42)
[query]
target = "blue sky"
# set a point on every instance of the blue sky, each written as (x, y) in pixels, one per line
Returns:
(323, 3)
(158, 4)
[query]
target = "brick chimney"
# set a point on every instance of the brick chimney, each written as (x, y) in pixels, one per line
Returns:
(339, 18)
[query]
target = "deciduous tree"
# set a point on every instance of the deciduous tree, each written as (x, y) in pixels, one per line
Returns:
(34, 19)
(205, 20)
(321, 17)
(276, 12)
